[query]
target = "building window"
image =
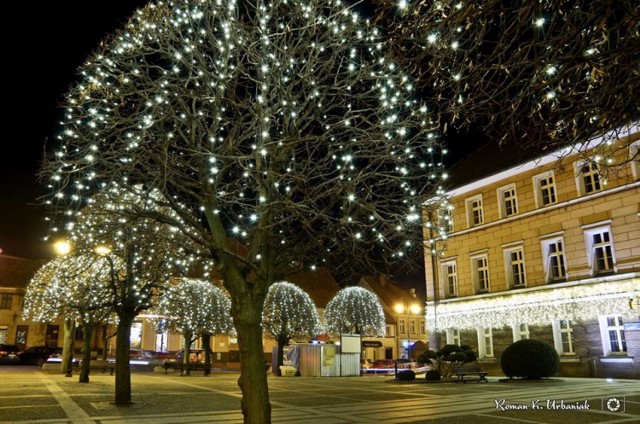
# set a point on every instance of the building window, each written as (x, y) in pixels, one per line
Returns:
(563, 337)
(600, 253)
(520, 332)
(588, 178)
(545, 189)
(612, 332)
(5, 301)
(508, 201)
(402, 326)
(450, 276)
(480, 267)
(555, 267)
(412, 326)
(445, 219)
(423, 327)
(485, 342)
(475, 214)
(3, 335)
(389, 331)
(634, 159)
(453, 336)
(514, 262)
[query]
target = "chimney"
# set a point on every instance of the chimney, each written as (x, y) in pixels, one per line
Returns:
(382, 279)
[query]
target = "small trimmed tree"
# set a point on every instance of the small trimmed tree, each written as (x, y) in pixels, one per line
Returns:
(289, 313)
(530, 359)
(355, 310)
(195, 308)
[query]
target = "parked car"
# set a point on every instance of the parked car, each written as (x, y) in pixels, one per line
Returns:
(196, 355)
(383, 363)
(38, 355)
(365, 364)
(9, 354)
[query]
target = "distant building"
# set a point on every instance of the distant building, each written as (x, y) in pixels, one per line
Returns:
(548, 249)
(406, 332)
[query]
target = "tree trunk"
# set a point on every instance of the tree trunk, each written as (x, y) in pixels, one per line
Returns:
(123, 348)
(282, 342)
(206, 342)
(256, 407)
(105, 341)
(86, 353)
(67, 350)
(187, 352)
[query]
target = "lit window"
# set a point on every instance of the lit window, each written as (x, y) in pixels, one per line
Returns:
(453, 336)
(600, 253)
(555, 267)
(563, 337)
(450, 276)
(545, 189)
(508, 201)
(402, 327)
(412, 326)
(520, 332)
(514, 262)
(588, 178)
(475, 214)
(423, 327)
(485, 342)
(634, 159)
(612, 332)
(480, 267)
(5, 301)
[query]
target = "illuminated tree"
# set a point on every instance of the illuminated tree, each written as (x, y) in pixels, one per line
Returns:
(142, 254)
(278, 134)
(195, 308)
(543, 74)
(74, 287)
(289, 313)
(355, 310)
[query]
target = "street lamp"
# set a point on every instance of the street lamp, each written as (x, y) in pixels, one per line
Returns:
(407, 309)
(63, 248)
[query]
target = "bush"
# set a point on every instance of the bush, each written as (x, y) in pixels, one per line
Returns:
(457, 357)
(433, 375)
(530, 359)
(426, 357)
(447, 350)
(470, 354)
(406, 375)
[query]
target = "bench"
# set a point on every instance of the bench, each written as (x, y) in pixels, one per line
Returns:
(102, 366)
(192, 366)
(465, 370)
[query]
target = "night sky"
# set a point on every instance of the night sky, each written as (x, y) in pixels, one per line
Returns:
(38, 70)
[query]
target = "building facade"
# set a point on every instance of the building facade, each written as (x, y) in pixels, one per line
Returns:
(549, 250)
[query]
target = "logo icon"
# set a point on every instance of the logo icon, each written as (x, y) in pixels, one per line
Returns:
(613, 404)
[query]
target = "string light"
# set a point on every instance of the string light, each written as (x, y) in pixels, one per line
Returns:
(355, 309)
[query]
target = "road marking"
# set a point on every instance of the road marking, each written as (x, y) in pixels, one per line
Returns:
(76, 414)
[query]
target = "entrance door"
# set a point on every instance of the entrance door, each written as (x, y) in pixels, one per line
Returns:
(388, 353)
(51, 338)
(21, 336)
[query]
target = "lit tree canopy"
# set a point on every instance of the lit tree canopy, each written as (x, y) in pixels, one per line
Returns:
(195, 307)
(74, 286)
(357, 310)
(543, 74)
(289, 313)
(278, 134)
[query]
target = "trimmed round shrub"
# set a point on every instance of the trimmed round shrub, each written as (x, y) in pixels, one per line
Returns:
(470, 354)
(433, 375)
(426, 357)
(448, 350)
(530, 359)
(457, 357)
(406, 375)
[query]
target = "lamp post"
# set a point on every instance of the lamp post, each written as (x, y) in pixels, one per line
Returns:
(407, 309)
(63, 248)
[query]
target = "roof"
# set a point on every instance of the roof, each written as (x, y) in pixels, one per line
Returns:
(389, 295)
(17, 272)
(319, 284)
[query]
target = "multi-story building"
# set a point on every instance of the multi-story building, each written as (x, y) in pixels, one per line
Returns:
(547, 249)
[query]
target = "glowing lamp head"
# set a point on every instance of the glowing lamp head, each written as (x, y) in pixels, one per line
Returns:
(102, 250)
(62, 247)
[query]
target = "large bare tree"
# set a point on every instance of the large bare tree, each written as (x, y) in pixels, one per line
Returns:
(278, 133)
(543, 74)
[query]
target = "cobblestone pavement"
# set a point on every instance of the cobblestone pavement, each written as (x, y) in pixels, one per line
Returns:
(28, 395)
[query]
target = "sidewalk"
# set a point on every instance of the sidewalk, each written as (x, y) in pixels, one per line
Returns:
(30, 396)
